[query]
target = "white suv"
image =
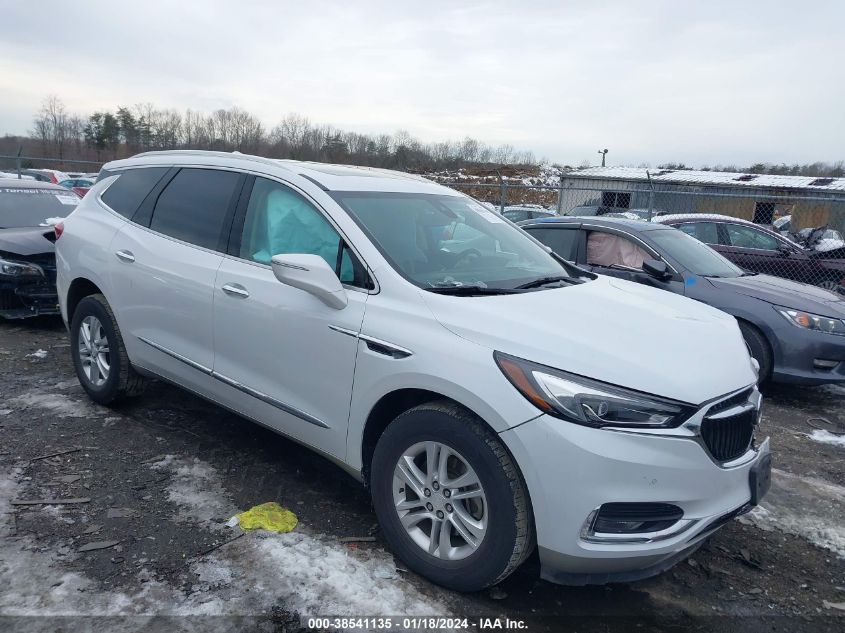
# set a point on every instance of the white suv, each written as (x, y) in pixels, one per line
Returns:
(491, 396)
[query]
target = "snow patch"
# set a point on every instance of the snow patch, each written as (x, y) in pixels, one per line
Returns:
(811, 508)
(198, 491)
(249, 576)
(826, 437)
(40, 353)
(61, 405)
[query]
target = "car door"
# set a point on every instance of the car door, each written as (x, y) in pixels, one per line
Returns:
(165, 264)
(759, 251)
(289, 353)
(620, 254)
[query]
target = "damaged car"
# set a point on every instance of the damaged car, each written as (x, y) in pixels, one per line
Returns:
(378, 318)
(29, 209)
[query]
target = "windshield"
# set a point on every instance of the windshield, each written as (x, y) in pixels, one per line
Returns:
(27, 207)
(695, 256)
(439, 241)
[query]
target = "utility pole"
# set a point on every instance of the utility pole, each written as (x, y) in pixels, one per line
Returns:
(603, 153)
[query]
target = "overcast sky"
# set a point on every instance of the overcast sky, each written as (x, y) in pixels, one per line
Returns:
(653, 81)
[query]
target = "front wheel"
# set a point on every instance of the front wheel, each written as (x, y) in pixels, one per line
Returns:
(449, 498)
(99, 356)
(759, 348)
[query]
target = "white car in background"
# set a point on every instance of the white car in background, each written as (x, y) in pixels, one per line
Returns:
(379, 319)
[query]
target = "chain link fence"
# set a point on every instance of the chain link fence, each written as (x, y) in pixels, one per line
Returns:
(797, 237)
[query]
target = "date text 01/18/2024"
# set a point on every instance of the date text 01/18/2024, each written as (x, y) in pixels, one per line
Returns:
(414, 623)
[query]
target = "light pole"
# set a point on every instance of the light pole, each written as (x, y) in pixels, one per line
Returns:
(603, 153)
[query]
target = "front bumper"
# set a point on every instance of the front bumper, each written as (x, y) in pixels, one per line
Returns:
(571, 470)
(799, 352)
(19, 301)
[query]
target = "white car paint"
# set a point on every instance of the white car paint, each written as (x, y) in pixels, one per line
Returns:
(282, 357)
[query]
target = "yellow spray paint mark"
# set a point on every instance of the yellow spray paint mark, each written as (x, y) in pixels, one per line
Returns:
(268, 516)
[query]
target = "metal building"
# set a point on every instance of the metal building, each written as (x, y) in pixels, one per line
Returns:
(756, 197)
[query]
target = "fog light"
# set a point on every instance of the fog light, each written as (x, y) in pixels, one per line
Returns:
(634, 523)
(820, 363)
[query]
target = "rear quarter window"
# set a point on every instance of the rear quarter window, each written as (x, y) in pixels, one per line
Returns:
(127, 193)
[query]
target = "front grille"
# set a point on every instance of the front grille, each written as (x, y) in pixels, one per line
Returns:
(728, 438)
(726, 404)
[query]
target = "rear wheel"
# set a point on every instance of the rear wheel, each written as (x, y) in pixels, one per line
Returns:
(99, 356)
(759, 348)
(449, 498)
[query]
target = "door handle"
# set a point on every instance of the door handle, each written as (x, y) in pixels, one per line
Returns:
(125, 256)
(235, 290)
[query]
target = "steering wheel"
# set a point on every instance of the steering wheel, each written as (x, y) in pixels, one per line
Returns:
(465, 256)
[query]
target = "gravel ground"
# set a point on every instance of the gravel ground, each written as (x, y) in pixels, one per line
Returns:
(152, 483)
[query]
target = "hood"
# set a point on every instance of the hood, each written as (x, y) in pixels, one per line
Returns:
(784, 292)
(828, 244)
(611, 330)
(26, 241)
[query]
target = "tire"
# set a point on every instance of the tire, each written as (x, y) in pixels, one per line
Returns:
(508, 538)
(120, 380)
(759, 347)
(829, 284)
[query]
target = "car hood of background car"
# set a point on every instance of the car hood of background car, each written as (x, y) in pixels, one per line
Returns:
(26, 241)
(611, 330)
(783, 292)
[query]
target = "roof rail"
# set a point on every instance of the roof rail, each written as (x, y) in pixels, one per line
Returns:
(203, 152)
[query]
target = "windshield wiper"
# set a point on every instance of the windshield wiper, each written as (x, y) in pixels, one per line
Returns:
(542, 281)
(468, 291)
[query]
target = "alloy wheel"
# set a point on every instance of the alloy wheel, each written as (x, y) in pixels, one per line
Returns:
(440, 501)
(93, 347)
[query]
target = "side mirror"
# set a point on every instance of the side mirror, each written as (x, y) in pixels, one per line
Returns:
(657, 269)
(312, 274)
(784, 249)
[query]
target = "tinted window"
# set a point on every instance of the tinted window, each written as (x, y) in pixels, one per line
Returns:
(20, 207)
(127, 193)
(193, 207)
(704, 231)
(746, 237)
(280, 221)
(562, 241)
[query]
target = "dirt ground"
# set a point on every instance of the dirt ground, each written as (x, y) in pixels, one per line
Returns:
(152, 483)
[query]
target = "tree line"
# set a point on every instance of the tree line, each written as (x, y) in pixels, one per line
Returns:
(127, 130)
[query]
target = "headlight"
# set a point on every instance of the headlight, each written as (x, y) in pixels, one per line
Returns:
(810, 321)
(590, 402)
(11, 268)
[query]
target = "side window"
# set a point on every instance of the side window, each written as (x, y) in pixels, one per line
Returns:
(516, 215)
(280, 221)
(706, 232)
(747, 237)
(609, 249)
(194, 206)
(127, 193)
(562, 241)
